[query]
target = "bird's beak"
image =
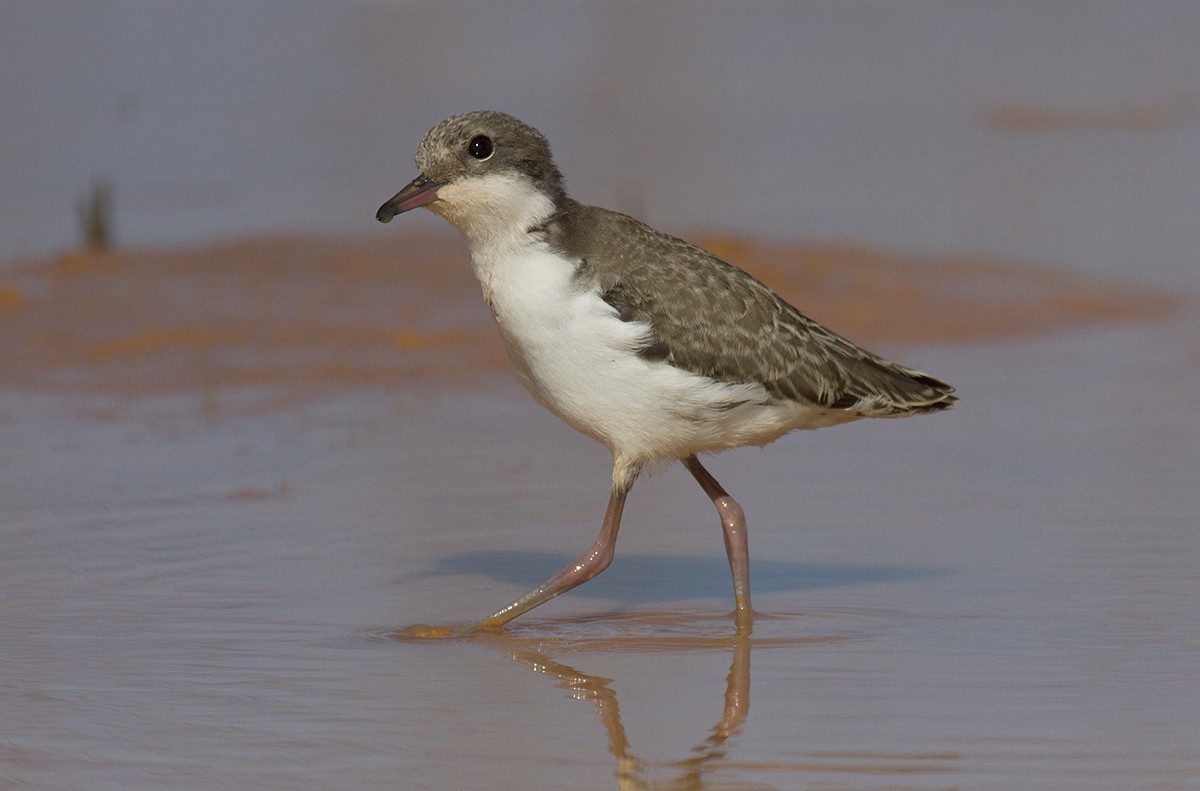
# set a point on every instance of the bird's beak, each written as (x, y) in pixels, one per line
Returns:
(419, 191)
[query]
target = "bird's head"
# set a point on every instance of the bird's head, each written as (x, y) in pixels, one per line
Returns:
(484, 171)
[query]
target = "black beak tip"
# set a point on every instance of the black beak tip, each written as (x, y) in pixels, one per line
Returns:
(419, 192)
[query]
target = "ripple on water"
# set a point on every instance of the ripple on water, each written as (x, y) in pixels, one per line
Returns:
(664, 630)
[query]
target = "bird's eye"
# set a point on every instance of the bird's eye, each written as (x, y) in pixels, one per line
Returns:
(480, 147)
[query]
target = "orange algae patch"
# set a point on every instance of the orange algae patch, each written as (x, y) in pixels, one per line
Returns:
(872, 296)
(11, 298)
(159, 339)
(285, 311)
(1147, 116)
(302, 313)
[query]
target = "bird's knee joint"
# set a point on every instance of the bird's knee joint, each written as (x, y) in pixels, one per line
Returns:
(594, 565)
(731, 513)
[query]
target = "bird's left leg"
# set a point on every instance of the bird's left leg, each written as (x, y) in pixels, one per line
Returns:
(585, 567)
(733, 525)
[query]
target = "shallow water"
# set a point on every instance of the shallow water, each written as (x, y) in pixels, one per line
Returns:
(229, 482)
(1002, 596)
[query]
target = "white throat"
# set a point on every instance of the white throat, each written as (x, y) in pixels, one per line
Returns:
(492, 211)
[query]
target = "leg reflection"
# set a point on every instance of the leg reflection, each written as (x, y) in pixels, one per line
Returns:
(597, 690)
(706, 757)
(733, 717)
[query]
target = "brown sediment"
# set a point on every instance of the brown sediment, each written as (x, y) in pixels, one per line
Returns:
(872, 296)
(1147, 116)
(306, 314)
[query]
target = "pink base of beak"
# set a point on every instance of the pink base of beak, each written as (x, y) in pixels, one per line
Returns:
(417, 193)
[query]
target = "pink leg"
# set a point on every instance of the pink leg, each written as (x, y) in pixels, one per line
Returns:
(733, 524)
(586, 566)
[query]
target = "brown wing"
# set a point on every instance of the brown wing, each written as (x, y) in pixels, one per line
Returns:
(711, 318)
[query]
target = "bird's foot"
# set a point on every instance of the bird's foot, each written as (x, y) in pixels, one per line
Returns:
(743, 619)
(422, 631)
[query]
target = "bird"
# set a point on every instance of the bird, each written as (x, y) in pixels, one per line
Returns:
(649, 344)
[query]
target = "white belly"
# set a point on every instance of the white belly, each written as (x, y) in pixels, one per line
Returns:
(578, 359)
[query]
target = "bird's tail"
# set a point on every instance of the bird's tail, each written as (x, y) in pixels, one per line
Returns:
(896, 391)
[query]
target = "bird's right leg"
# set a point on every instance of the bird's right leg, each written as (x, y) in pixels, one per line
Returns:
(733, 527)
(582, 569)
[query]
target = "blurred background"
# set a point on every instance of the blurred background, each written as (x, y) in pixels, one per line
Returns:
(1061, 132)
(211, 532)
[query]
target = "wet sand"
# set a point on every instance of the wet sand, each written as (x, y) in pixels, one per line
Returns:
(221, 507)
(309, 314)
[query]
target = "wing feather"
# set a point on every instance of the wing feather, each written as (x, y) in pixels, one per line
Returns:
(711, 318)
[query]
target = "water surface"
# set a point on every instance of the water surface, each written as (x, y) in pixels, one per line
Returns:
(230, 473)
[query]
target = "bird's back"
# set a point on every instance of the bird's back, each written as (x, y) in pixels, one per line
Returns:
(711, 318)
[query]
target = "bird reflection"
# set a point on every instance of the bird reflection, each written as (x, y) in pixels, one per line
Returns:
(705, 757)
(712, 763)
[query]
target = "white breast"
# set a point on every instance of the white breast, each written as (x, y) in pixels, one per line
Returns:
(576, 357)
(573, 353)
